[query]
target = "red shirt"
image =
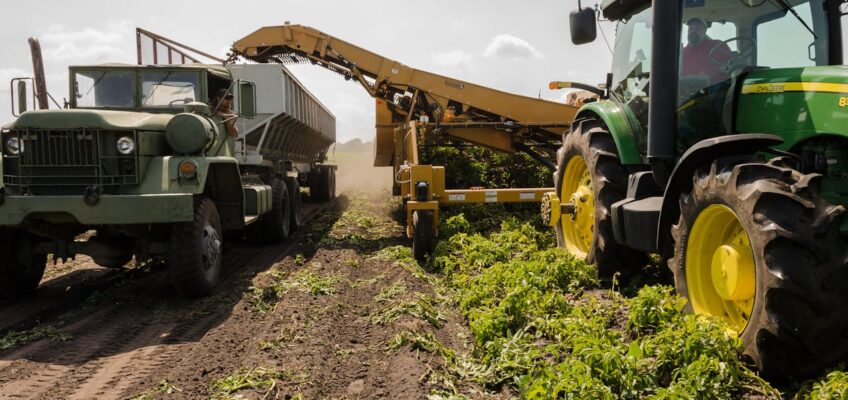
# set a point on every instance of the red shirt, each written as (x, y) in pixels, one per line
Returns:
(696, 59)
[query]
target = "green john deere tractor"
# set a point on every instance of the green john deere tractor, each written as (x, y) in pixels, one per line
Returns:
(720, 142)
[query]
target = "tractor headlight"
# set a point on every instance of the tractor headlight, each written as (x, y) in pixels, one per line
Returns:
(14, 146)
(126, 145)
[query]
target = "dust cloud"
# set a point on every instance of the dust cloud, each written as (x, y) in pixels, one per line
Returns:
(356, 172)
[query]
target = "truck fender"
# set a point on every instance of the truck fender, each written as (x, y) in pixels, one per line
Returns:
(222, 184)
(702, 153)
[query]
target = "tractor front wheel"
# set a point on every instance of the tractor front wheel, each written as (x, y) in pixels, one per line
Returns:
(758, 247)
(591, 178)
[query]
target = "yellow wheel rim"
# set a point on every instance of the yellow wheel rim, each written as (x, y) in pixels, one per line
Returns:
(577, 189)
(720, 267)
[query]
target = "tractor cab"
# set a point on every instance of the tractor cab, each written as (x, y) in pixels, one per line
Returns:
(715, 45)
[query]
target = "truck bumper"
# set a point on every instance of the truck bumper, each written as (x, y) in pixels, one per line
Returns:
(109, 210)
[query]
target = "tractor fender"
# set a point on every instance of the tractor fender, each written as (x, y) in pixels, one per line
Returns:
(615, 119)
(703, 152)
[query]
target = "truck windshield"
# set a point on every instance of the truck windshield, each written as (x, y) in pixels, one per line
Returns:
(105, 88)
(169, 88)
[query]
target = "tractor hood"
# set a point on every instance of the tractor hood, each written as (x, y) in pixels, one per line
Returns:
(794, 102)
(100, 119)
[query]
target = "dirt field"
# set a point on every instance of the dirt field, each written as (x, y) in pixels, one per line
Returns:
(312, 318)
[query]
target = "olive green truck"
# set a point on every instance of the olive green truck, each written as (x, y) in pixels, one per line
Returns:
(139, 164)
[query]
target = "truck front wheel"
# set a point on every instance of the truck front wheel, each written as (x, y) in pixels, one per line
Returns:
(195, 252)
(20, 269)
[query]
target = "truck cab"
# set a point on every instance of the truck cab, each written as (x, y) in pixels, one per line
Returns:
(143, 161)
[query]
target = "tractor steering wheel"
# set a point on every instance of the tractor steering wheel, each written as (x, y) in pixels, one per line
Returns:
(731, 60)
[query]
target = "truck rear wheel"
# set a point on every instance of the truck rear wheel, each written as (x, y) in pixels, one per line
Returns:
(758, 247)
(21, 269)
(195, 252)
(422, 234)
(296, 203)
(273, 226)
(590, 176)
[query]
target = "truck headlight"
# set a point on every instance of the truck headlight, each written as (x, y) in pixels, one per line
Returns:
(14, 146)
(126, 145)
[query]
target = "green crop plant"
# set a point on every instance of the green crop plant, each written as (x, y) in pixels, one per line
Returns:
(545, 326)
(423, 309)
(260, 380)
(15, 338)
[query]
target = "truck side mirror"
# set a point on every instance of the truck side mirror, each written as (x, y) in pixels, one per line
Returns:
(247, 99)
(583, 27)
(22, 96)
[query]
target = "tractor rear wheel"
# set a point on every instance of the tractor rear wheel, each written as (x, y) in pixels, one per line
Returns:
(758, 247)
(20, 269)
(590, 176)
(422, 233)
(195, 251)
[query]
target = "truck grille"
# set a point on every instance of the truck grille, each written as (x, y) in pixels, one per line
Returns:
(62, 158)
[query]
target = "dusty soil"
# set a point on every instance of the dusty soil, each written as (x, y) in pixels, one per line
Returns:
(125, 334)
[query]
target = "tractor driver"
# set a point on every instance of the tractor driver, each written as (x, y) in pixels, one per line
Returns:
(696, 55)
(222, 106)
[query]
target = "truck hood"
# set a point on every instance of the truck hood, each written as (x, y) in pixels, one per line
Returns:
(100, 119)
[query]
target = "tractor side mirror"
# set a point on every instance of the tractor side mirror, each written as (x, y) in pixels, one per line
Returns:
(247, 99)
(583, 27)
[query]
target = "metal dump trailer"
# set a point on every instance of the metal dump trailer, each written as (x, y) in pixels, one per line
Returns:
(290, 123)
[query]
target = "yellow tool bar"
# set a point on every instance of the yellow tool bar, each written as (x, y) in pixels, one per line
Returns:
(469, 196)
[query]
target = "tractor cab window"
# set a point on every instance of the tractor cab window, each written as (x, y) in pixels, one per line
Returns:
(169, 88)
(104, 88)
(631, 64)
(722, 39)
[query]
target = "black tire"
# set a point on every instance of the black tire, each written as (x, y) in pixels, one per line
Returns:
(118, 262)
(590, 140)
(195, 252)
(799, 316)
(21, 270)
(314, 179)
(332, 184)
(325, 185)
(296, 204)
(114, 260)
(422, 234)
(274, 226)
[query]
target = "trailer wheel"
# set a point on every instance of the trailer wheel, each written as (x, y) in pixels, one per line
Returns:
(590, 175)
(314, 179)
(332, 178)
(422, 233)
(296, 201)
(195, 252)
(273, 226)
(759, 248)
(20, 269)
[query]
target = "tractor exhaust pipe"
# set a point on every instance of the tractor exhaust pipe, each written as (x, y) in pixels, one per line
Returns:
(662, 117)
(38, 70)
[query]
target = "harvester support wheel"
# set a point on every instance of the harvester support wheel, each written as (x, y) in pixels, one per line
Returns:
(422, 233)
(20, 269)
(591, 178)
(273, 226)
(296, 203)
(757, 247)
(195, 251)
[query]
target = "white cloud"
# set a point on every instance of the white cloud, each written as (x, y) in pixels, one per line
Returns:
(453, 58)
(508, 46)
(88, 45)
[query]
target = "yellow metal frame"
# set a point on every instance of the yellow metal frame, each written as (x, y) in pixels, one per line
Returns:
(461, 110)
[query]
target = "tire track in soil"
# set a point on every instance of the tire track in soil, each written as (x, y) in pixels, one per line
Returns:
(120, 344)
